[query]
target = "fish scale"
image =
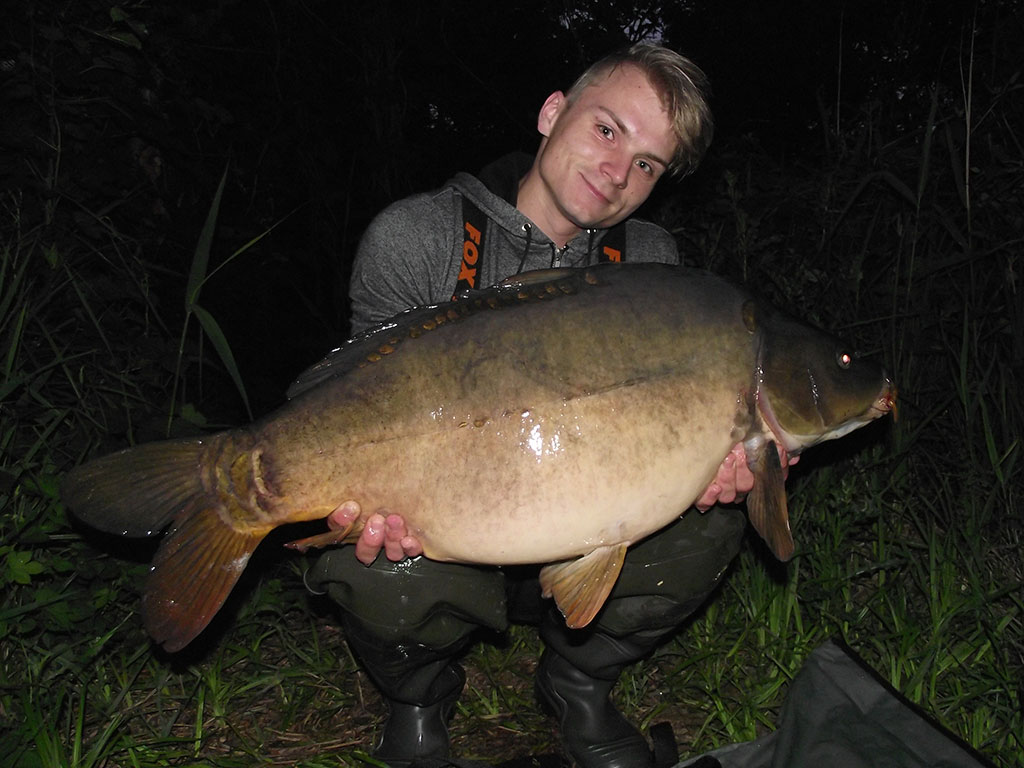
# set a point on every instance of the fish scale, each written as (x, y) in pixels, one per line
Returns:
(567, 413)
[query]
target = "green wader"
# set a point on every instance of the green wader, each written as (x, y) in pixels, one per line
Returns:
(408, 622)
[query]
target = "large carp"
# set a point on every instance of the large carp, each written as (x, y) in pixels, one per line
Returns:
(558, 418)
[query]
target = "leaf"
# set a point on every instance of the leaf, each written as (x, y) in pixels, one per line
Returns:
(125, 38)
(192, 415)
(201, 256)
(21, 567)
(220, 343)
(45, 485)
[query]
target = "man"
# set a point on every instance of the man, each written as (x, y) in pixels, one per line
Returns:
(627, 121)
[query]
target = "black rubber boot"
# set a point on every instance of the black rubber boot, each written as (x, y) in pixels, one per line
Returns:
(416, 732)
(408, 622)
(421, 685)
(576, 674)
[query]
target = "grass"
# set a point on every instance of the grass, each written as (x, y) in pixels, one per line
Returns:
(909, 554)
(908, 534)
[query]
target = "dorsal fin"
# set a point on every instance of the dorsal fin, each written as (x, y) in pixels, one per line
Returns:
(377, 343)
(537, 277)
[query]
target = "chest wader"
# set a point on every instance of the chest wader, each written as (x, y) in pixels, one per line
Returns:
(408, 622)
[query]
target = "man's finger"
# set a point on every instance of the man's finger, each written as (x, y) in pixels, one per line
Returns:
(343, 516)
(411, 546)
(371, 540)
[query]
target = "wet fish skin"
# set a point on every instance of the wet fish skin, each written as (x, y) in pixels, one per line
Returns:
(565, 415)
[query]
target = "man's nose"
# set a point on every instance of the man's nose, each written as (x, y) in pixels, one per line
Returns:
(616, 168)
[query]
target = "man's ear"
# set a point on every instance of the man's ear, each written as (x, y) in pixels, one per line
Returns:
(549, 112)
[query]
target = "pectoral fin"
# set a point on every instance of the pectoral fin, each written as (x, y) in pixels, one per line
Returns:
(347, 535)
(581, 586)
(766, 503)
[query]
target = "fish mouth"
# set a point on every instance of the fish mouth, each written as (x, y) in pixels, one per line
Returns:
(886, 402)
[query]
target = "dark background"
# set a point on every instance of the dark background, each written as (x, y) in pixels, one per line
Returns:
(867, 175)
(121, 119)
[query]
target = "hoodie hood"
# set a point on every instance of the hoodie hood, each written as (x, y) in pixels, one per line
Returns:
(495, 193)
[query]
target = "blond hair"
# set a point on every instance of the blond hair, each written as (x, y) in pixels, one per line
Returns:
(683, 89)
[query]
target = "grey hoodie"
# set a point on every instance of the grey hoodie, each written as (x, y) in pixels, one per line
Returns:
(411, 253)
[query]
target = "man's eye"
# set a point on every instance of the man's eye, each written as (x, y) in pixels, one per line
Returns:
(605, 131)
(644, 166)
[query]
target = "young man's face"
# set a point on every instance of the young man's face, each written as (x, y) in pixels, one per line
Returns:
(603, 153)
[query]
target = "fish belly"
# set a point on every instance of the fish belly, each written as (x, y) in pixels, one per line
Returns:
(558, 488)
(529, 479)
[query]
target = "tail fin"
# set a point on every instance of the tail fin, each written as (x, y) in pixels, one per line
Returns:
(137, 492)
(193, 572)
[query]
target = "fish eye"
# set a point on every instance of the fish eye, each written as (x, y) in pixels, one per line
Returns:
(843, 359)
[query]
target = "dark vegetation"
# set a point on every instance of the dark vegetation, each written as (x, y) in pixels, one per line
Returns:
(868, 175)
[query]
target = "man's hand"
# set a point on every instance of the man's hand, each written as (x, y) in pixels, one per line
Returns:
(388, 533)
(734, 479)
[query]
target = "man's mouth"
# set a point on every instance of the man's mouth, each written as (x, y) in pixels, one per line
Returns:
(595, 191)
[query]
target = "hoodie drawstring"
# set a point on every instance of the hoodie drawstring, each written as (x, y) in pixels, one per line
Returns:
(555, 250)
(526, 251)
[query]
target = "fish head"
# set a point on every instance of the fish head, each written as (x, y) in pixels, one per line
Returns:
(811, 387)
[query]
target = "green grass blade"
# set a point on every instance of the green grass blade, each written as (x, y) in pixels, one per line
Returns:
(220, 344)
(201, 256)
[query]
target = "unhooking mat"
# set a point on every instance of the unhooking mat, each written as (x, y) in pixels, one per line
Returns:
(838, 714)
